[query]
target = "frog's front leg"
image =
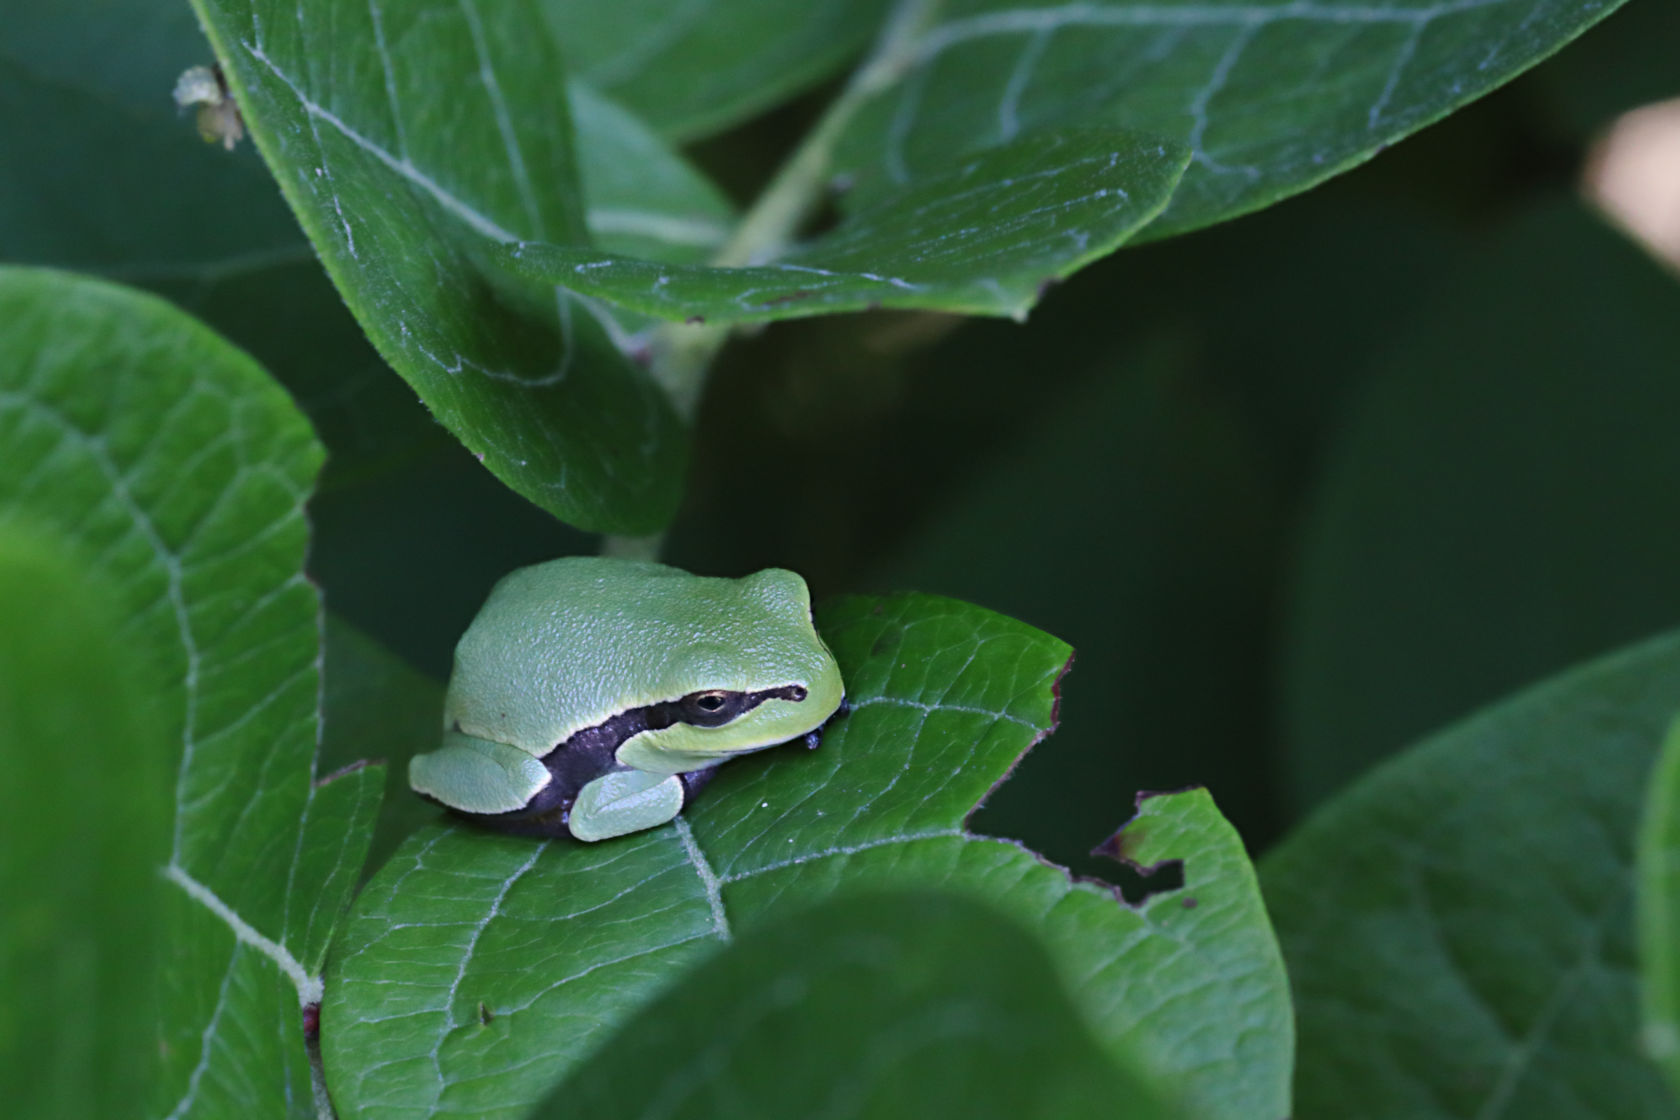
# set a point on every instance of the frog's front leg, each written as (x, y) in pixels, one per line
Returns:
(625, 801)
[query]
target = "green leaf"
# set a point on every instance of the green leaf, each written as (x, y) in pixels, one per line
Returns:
(556, 944)
(1262, 100)
(1458, 925)
(890, 1006)
(1098, 106)
(1497, 506)
(180, 469)
(1658, 872)
(411, 142)
(985, 237)
(1271, 97)
(694, 66)
(84, 826)
(643, 200)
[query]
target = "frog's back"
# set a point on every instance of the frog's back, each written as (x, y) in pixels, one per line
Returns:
(567, 644)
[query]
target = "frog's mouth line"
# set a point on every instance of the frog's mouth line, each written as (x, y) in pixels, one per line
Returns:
(589, 752)
(617, 730)
(592, 751)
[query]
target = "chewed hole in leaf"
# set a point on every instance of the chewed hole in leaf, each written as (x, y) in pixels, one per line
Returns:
(1141, 873)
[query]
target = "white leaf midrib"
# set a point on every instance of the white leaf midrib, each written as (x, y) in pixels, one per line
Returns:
(309, 987)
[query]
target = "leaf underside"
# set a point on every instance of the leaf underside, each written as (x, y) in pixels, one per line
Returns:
(693, 67)
(1271, 97)
(985, 238)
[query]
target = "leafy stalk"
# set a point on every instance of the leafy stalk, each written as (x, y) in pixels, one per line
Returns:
(684, 352)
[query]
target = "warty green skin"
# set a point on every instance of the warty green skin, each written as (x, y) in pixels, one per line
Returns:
(570, 644)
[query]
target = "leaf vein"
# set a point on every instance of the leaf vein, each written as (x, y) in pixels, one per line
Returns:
(308, 987)
(206, 1041)
(847, 850)
(709, 880)
(504, 123)
(402, 167)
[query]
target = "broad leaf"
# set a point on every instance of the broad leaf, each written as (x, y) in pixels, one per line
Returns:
(84, 826)
(989, 150)
(693, 66)
(889, 1006)
(986, 237)
(1458, 925)
(411, 141)
(1659, 911)
(641, 199)
(1498, 505)
(1271, 96)
(179, 468)
(1263, 99)
(478, 970)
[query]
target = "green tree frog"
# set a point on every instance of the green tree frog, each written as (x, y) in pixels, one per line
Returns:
(592, 696)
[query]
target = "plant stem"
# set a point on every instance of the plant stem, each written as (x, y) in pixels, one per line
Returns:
(768, 229)
(682, 353)
(632, 548)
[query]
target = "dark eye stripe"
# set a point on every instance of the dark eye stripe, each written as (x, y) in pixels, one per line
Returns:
(716, 707)
(603, 739)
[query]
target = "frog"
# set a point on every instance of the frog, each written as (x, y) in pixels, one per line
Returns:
(595, 696)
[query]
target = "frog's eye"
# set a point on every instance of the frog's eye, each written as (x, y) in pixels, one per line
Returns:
(714, 707)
